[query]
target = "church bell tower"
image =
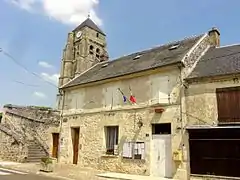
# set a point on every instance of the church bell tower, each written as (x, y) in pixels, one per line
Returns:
(86, 46)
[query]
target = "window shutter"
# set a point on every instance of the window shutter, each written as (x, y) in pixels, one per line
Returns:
(228, 104)
(159, 89)
(163, 89)
(127, 150)
(111, 96)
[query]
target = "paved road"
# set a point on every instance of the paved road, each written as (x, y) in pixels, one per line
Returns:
(6, 174)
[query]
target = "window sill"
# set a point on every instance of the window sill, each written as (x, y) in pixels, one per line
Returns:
(109, 156)
(133, 160)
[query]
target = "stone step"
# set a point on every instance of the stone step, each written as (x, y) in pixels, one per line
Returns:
(37, 155)
(34, 144)
(34, 160)
(34, 152)
(35, 148)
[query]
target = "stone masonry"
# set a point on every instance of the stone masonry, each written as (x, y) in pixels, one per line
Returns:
(22, 125)
(92, 106)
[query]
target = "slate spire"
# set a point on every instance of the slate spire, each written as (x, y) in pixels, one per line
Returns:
(89, 23)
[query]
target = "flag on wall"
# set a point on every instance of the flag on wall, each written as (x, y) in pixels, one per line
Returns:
(132, 97)
(124, 97)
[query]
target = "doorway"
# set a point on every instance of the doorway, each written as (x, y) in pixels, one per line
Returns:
(75, 143)
(161, 151)
(55, 138)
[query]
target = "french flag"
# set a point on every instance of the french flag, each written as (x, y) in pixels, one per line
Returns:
(132, 97)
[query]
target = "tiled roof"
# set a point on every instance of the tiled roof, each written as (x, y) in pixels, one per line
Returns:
(217, 62)
(137, 62)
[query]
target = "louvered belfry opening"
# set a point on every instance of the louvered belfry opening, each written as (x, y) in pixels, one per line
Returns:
(228, 103)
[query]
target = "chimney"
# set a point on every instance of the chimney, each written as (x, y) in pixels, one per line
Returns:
(214, 36)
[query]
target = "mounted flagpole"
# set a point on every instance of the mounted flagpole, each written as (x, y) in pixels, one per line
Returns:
(132, 97)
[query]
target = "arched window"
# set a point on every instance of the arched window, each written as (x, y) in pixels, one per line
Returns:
(98, 53)
(91, 48)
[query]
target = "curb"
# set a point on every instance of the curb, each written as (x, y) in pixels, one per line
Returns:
(51, 175)
(16, 170)
(12, 171)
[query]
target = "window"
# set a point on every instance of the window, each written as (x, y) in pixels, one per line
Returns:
(111, 139)
(97, 35)
(228, 103)
(134, 150)
(0, 117)
(91, 48)
(98, 53)
(97, 50)
(163, 128)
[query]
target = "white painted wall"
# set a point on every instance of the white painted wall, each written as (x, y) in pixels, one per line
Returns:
(160, 88)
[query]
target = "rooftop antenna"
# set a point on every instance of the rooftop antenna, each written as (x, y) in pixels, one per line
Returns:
(89, 15)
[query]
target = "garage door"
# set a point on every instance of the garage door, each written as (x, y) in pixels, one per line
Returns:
(215, 151)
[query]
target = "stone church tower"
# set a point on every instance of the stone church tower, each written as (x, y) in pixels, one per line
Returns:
(86, 46)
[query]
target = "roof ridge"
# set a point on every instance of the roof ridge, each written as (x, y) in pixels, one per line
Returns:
(229, 45)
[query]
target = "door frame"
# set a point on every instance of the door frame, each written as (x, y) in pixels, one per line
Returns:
(75, 134)
(55, 147)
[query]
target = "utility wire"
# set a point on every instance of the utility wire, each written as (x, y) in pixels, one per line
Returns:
(20, 82)
(22, 66)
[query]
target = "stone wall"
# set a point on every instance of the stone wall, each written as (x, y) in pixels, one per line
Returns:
(93, 107)
(10, 149)
(28, 123)
(92, 139)
(200, 106)
(201, 100)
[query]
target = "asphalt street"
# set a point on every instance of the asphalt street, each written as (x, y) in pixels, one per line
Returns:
(6, 174)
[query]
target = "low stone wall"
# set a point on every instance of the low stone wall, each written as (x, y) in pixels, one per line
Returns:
(10, 149)
(24, 124)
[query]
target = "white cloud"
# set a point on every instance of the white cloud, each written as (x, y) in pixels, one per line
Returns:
(24, 4)
(65, 11)
(53, 78)
(39, 94)
(45, 64)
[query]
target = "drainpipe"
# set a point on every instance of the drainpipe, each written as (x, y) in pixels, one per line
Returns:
(181, 116)
(62, 94)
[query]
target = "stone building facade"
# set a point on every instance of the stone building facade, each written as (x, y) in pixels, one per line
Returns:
(23, 129)
(211, 109)
(117, 113)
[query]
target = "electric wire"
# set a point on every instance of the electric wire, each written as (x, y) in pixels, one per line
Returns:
(26, 69)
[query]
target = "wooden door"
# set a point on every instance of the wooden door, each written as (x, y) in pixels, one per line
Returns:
(75, 142)
(55, 137)
(161, 157)
(215, 151)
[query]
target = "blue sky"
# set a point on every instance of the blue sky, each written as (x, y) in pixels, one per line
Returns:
(34, 32)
